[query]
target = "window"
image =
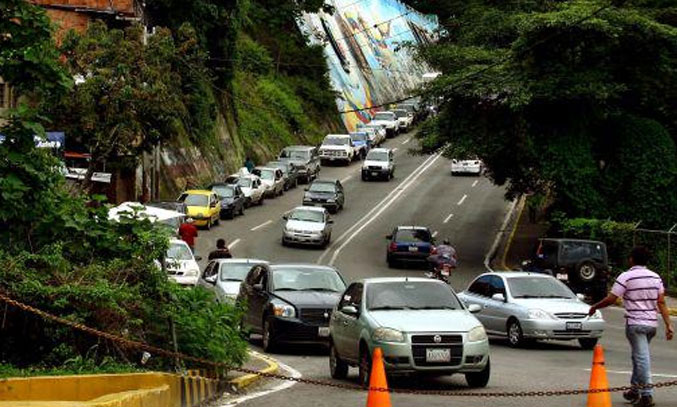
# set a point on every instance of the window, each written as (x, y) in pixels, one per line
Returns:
(290, 278)
(413, 236)
(194, 200)
(210, 270)
(497, 286)
(352, 296)
(234, 271)
(481, 286)
(577, 251)
(256, 275)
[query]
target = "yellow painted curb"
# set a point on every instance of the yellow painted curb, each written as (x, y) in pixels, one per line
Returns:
(512, 234)
(247, 380)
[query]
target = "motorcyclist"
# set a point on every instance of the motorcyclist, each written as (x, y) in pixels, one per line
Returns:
(446, 254)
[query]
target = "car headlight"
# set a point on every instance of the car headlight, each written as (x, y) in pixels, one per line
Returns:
(388, 335)
(596, 315)
(284, 310)
(539, 314)
(477, 334)
(191, 273)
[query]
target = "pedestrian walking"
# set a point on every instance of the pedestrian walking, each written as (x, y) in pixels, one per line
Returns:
(221, 252)
(643, 295)
(249, 164)
(188, 233)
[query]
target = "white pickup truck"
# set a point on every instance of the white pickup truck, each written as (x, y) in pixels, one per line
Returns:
(337, 147)
(387, 120)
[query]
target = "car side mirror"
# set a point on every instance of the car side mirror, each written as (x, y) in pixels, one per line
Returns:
(474, 308)
(211, 279)
(580, 296)
(198, 258)
(258, 287)
(306, 189)
(350, 310)
(285, 217)
(498, 297)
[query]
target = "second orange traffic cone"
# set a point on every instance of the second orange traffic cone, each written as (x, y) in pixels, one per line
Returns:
(598, 380)
(377, 379)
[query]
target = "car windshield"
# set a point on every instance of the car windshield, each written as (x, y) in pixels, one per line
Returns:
(307, 215)
(336, 141)
(412, 236)
(245, 182)
(400, 113)
(383, 116)
(234, 271)
(359, 136)
(416, 295)
(179, 251)
(538, 287)
(322, 187)
(223, 191)
(294, 154)
(194, 199)
(267, 174)
(377, 156)
(306, 279)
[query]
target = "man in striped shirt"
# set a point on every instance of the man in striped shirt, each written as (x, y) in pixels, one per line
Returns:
(643, 295)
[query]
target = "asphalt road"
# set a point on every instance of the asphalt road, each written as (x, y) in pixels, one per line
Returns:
(468, 210)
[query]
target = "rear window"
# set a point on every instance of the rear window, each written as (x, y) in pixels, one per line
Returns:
(574, 251)
(413, 236)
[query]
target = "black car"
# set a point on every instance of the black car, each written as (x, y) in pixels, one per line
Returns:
(170, 206)
(409, 244)
(232, 199)
(327, 193)
(583, 265)
(291, 174)
(290, 303)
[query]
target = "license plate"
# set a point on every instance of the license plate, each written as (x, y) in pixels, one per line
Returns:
(437, 355)
(574, 326)
(374, 173)
(413, 248)
(323, 331)
(563, 276)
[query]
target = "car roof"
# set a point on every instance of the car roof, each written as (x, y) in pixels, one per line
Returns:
(178, 241)
(514, 274)
(384, 111)
(337, 135)
(311, 208)
(397, 280)
(198, 192)
(222, 184)
(324, 181)
(265, 168)
(241, 260)
(308, 266)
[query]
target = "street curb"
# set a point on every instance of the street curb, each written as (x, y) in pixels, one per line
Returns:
(522, 204)
(239, 383)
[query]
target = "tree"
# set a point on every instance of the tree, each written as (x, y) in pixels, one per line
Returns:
(538, 90)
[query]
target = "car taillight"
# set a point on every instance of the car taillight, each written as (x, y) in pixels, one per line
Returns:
(434, 250)
(392, 247)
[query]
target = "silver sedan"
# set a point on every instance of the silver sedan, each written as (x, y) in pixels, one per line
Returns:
(224, 276)
(530, 306)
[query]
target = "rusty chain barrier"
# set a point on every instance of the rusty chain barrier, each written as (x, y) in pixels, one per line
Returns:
(132, 344)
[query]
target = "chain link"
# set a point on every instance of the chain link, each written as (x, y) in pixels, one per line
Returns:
(129, 343)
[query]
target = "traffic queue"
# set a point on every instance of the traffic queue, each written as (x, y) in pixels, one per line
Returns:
(408, 318)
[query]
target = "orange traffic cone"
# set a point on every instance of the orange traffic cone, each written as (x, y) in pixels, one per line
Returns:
(598, 380)
(377, 379)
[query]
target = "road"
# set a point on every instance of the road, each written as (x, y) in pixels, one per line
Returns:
(469, 211)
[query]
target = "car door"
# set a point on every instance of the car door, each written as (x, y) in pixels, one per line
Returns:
(495, 310)
(257, 191)
(214, 207)
(350, 340)
(279, 180)
(208, 272)
(340, 195)
(254, 298)
(239, 197)
(477, 294)
(339, 321)
(328, 223)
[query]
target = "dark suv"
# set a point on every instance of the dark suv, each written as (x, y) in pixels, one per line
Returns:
(583, 265)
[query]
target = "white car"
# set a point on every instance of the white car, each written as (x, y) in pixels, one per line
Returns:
(337, 147)
(466, 167)
(379, 163)
(252, 188)
(224, 276)
(307, 225)
(181, 264)
(404, 118)
(377, 132)
(387, 120)
(272, 180)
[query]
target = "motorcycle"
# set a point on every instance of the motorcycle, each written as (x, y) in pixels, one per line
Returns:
(440, 267)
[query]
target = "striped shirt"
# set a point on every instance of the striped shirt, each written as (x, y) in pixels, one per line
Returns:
(639, 287)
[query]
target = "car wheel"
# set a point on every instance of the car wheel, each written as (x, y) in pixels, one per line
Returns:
(364, 177)
(587, 343)
(241, 209)
(479, 379)
(515, 335)
(218, 220)
(261, 200)
(337, 367)
(586, 271)
(243, 330)
(364, 368)
(209, 224)
(268, 337)
(391, 262)
(284, 242)
(248, 202)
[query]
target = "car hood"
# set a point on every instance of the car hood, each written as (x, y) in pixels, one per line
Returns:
(267, 182)
(182, 265)
(295, 161)
(303, 225)
(334, 148)
(197, 210)
(310, 299)
(553, 305)
(426, 320)
(368, 163)
(225, 201)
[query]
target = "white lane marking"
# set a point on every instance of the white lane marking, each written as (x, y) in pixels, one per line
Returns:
(382, 209)
(266, 223)
(282, 386)
(406, 141)
(462, 200)
(448, 218)
(435, 234)
(394, 149)
(474, 184)
(627, 372)
(343, 181)
(233, 243)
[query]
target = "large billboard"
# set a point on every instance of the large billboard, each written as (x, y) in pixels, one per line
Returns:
(364, 44)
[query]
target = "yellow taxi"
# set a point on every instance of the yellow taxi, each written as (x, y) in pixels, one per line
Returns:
(203, 206)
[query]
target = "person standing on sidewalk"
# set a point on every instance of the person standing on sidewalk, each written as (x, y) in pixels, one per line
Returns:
(643, 295)
(188, 233)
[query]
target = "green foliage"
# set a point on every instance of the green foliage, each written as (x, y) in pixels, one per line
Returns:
(252, 57)
(570, 99)
(75, 366)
